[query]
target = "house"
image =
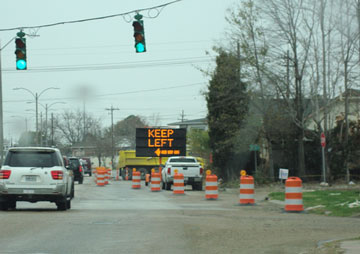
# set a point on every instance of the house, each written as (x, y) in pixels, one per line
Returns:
(200, 124)
(336, 111)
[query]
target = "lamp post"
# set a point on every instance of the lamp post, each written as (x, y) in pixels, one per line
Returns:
(47, 107)
(36, 97)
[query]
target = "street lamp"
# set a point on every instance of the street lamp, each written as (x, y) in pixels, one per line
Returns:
(36, 97)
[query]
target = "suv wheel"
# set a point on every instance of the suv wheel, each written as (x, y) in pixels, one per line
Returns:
(68, 204)
(197, 186)
(62, 204)
(167, 186)
(72, 194)
(4, 206)
(11, 204)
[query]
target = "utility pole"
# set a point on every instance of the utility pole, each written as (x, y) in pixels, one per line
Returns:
(1, 116)
(52, 129)
(182, 116)
(111, 109)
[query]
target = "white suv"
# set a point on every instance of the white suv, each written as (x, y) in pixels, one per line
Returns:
(35, 174)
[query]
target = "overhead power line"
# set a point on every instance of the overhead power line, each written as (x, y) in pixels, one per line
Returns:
(120, 93)
(93, 19)
(115, 66)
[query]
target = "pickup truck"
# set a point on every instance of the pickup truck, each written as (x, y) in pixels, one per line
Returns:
(186, 165)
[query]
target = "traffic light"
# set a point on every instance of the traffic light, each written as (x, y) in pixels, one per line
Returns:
(20, 51)
(139, 34)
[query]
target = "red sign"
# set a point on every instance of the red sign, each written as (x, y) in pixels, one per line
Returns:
(323, 140)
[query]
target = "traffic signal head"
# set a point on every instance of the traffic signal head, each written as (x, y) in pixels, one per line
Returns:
(139, 34)
(20, 53)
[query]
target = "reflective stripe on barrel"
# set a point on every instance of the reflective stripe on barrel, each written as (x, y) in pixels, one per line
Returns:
(100, 177)
(155, 181)
(293, 195)
(136, 180)
(126, 174)
(211, 187)
(178, 186)
(247, 193)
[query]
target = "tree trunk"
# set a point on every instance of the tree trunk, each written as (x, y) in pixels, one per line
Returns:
(301, 155)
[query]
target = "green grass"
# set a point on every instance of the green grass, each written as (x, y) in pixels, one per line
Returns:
(334, 202)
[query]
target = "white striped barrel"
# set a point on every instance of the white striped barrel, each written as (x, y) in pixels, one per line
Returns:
(178, 186)
(247, 193)
(293, 195)
(211, 187)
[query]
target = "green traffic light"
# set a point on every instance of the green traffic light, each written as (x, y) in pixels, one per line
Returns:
(20, 52)
(21, 64)
(140, 47)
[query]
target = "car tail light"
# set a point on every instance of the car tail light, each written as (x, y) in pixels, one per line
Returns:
(169, 171)
(80, 169)
(5, 174)
(201, 171)
(57, 174)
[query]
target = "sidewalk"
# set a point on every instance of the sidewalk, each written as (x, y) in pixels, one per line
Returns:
(351, 247)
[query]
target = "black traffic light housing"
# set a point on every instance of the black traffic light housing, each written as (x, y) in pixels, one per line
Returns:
(20, 51)
(139, 34)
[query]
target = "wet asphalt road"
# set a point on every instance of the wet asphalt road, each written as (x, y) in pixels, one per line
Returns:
(118, 219)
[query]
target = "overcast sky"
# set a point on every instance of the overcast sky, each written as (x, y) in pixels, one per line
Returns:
(96, 61)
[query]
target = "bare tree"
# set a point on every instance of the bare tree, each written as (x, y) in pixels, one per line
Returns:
(71, 126)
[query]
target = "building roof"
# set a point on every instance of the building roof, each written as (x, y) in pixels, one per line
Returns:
(191, 122)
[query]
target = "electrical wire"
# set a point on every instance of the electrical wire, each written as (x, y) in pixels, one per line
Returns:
(92, 19)
(120, 93)
(116, 66)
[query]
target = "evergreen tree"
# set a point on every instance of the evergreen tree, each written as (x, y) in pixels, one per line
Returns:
(227, 105)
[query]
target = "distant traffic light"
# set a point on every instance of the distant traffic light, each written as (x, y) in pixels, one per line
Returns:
(20, 51)
(139, 34)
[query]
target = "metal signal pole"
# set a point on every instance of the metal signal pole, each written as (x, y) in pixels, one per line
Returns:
(1, 108)
(1, 116)
(112, 134)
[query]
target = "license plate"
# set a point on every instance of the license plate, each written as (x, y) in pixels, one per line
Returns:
(30, 178)
(29, 191)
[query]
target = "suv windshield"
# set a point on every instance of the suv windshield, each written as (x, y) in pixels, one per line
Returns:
(32, 159)
(182, 160)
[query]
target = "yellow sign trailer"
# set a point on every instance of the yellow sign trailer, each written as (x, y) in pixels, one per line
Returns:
(128, 161)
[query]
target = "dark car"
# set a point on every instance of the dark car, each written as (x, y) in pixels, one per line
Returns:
(76, 167)
(87, 162)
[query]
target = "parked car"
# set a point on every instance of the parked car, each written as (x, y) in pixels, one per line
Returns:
(77, 168)
(71, 174)
(87, 162)
(34, 174)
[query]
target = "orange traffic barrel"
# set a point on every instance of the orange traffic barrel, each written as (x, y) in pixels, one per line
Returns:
(211, 187)
(106, 176)
(126, 174)
(109, 174)
(136, 180)
(117, 175)
(155, 181)
(247, 194)
(293, 195)
(178, 187)
(100, 177)
(147, 179)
